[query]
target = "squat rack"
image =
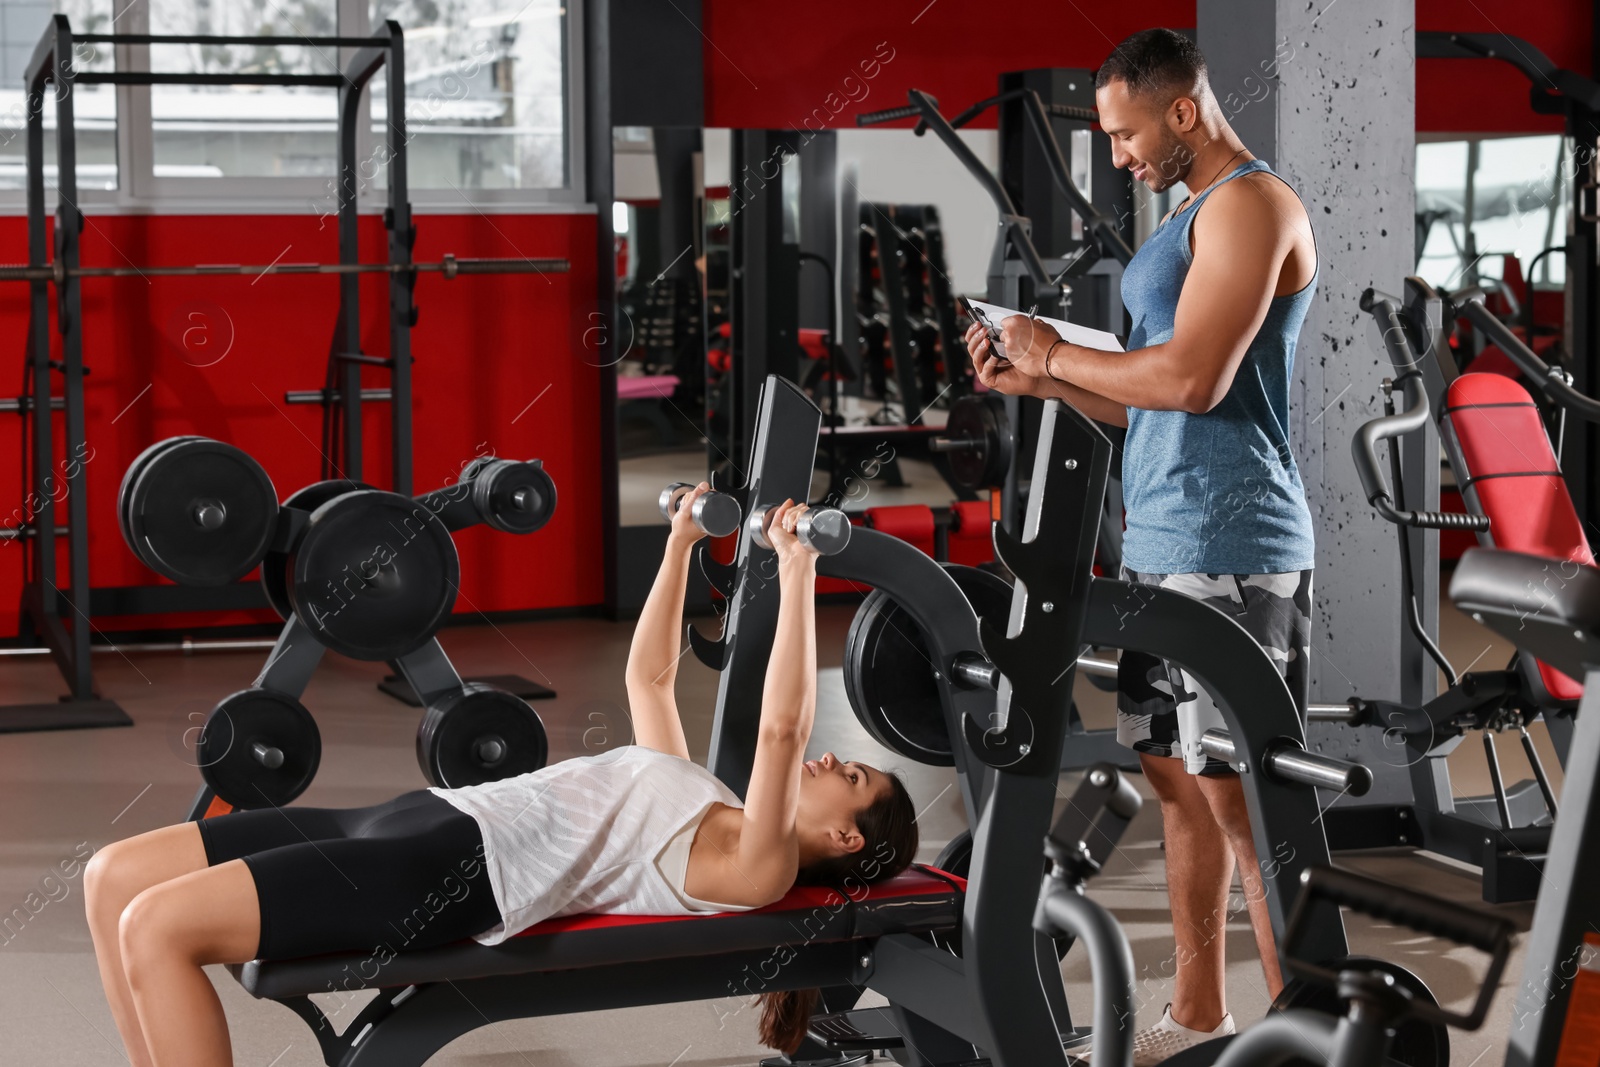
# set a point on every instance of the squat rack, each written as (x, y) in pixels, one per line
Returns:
(61, 617)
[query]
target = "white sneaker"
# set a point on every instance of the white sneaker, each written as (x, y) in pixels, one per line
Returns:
(1166, 1038)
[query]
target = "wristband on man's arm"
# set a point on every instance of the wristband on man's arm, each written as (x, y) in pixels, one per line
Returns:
(1047, 356)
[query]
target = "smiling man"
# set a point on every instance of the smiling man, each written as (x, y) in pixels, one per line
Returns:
(1215, 506)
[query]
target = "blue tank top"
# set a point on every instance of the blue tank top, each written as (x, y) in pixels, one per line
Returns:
(1217, 493)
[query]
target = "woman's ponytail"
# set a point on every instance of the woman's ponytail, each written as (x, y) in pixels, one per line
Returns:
(785, 1016)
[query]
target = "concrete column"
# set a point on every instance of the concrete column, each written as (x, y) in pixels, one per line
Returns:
(1325, 93)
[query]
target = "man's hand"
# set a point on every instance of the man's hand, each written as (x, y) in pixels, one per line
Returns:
(1027, 341)
(996, 374)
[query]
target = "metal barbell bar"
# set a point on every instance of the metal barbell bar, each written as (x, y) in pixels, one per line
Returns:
(1287, 760)
(449, 266)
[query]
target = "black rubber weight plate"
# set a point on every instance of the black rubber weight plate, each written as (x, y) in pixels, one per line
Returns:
(131, 476)
(1417, 1043)
(374, 575)
(275, 565)
(482, 735)
(226, 749)
(891, 680)
(168, 490)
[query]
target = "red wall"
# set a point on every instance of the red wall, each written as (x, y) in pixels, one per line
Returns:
(1488, 95)
(484, 347)
(767, 67)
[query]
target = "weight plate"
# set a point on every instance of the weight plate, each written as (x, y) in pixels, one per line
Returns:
(979, 418)
(480, 734)
(200, 512)
(374, 575)
(125, 492)
(891, 679)
(1417, 1042)
(275, 565)
(514, 497)
(259, 749)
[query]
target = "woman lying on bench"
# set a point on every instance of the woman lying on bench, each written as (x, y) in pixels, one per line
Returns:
(638, 829)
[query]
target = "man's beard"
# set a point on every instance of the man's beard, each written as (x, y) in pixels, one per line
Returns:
(1173, 162)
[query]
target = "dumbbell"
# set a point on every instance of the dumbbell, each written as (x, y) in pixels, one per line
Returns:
(716, 514)
(824, 529)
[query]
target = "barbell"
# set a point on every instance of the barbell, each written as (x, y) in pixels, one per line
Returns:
(449, 266)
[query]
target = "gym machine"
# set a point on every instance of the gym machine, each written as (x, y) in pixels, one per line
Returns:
(1550, 608)
(59, 614)
(1003, 701)
(368, 574)
(1073, 270)
(1495, 440)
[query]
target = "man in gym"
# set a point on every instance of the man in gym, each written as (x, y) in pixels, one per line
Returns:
(1215, 506)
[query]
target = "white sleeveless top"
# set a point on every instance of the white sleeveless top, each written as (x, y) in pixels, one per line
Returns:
(585, 835)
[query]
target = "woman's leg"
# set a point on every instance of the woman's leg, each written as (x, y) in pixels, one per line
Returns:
(115, 875)
(167, 936)
(124, 869)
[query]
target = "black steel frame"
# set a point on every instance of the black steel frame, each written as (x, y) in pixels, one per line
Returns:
(61, 617)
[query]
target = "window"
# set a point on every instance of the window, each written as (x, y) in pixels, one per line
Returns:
(486, 92)
(491, 106)
(243, 131)
(1481, 201)
(22, 25)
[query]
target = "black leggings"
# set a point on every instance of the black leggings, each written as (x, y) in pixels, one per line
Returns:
(405, 874)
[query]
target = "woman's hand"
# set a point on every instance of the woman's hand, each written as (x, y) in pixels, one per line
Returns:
(684, 531)
(782, 521)
(997, 374)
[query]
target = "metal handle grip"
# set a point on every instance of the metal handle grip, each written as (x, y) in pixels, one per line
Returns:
(825, 530)
(872, 118)
(1288, 761)
(716, 514)
(1422, 912)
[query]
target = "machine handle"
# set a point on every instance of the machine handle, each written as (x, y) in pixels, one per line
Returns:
(1288, 760)
(1422, 912)
(892, 114)
(1552, 382)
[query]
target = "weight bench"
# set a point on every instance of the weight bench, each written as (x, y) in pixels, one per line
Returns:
(813, 937)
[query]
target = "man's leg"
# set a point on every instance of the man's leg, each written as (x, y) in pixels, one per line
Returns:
(1224, 798)
(1199, 877)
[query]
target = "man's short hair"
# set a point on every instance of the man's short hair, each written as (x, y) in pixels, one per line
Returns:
(1159, 61)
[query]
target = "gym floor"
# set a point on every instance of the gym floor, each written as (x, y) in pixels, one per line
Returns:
(65, 793)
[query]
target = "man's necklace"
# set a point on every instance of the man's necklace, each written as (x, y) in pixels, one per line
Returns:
(1213, 181)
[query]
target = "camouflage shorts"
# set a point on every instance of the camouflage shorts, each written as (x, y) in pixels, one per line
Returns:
(1162, 710)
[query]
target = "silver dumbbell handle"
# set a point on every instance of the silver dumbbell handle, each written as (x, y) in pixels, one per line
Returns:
(826, 530)
(716, 514)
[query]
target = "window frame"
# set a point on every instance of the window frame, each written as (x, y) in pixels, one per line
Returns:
(140, 192)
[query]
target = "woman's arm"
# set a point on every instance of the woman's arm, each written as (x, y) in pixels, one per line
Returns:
(653, 657)
(768, 855)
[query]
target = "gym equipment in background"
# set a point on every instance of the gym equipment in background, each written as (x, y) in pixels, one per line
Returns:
(1495, 441)
(1549, 607)
(59, 612)
(369, 574)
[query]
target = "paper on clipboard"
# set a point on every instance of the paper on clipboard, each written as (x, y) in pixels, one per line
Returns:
(1070, 332)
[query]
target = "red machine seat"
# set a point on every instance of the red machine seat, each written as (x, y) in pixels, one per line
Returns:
(1508, 472)
(919, 900)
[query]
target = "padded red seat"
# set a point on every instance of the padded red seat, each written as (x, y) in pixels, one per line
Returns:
(921, 899)
(1508, 472)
